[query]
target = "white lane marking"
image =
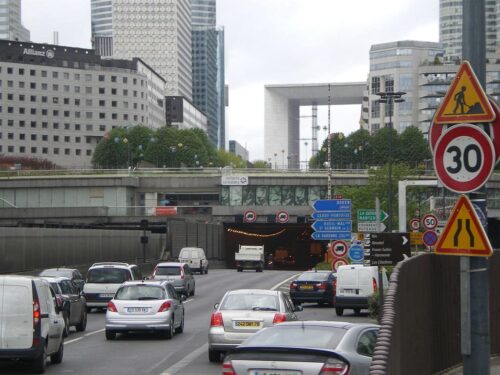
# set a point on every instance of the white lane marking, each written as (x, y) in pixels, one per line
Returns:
(188, 300)
(93, 333)
(284, 281)
(176, 367)
(71, 341)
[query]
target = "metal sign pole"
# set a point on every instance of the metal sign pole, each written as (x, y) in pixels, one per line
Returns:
(380, 276)
(477, 361)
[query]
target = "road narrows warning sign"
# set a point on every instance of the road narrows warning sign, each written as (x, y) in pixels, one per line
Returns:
(465, 100)
(463, 234)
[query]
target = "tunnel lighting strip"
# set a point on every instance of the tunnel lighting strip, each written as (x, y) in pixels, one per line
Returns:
(256, 234)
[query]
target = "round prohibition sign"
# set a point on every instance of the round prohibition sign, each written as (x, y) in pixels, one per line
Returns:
(336, 263)
(339, 249)
(250, 216)
(282, 217)
(415, 224)
(430, 221)
(464, 158)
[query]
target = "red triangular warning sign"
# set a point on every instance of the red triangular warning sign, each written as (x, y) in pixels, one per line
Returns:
(465, 101)
(464, 234)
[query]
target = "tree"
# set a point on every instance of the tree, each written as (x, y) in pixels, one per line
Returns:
(260, 164)
(230, 159)
(413, 148)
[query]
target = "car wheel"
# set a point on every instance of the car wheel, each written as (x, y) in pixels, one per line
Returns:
(170, 332)
(80, 327)
(357, 311)
(192, 292)
(110, 335)
(239, 269)
(89, 309)
(214, 355)
(206, 270)
(180, 329)
(39, 364)
(57, 357)
(66, 325)
(339, 311)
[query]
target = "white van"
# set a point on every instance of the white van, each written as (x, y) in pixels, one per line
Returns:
(31, 321)
(104, 279)
(355, 285)
(195, 258)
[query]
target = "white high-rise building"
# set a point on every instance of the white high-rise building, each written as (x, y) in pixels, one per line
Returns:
(157, 31)
(450, 27)
(11, 27)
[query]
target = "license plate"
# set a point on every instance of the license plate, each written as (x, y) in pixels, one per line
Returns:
(349, 291)
(246, 324)
(137, 309)
(106, 295)
(274, 372)
(306, 287)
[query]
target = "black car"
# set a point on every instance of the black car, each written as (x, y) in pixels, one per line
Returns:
(314, 286)
(71, 273)
(73, 300)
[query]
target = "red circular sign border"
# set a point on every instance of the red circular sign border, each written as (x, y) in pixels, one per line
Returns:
(416, 221)
(430, 215)
(473, 132)
(339, 242)
(337, 260)
(245, 217)
(282, 212)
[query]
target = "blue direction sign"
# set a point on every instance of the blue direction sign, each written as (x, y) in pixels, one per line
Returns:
(356, 253)
(327, 236)
(331, 215)
(332, 205)
(332, 225)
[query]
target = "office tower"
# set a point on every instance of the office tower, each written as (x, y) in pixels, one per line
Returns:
(208, 68)
(158, 32)
(450, 27)
(102, 26)
(11, 27)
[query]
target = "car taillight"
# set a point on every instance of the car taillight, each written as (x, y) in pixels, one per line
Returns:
(154, 272)
(279, 318)
(374, 281)
(36, 312)
(321, 286)
(227, 368)
(216, 320)
(293, 285)
(58, 300)
(112, 307)
(182, 273)
(334, 366)
(165, 306)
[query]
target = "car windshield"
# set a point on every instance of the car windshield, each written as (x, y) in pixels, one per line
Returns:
(57, 273)
(298, 335)
(256, 302)
(140, 292)
(313, 276)
(108, 275)
(170, 270)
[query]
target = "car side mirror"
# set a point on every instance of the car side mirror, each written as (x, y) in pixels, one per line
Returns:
(298, 308)
(183, 297)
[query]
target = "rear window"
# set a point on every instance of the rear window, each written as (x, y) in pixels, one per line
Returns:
(192, 253)
(251, 302)
(140, 292)
(313, 276)
(56, 288)
(301, 336)
(168, 271)
(108, 275)
(57, 273)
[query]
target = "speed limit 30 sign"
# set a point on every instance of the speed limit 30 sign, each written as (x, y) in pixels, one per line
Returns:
(464, 158)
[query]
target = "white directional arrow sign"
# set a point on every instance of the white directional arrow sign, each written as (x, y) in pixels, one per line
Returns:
(370, 227)
(405, 239)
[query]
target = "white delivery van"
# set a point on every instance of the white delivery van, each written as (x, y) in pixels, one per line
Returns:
(31, 321)
(355, 285)
(195, 258)
(104, 279)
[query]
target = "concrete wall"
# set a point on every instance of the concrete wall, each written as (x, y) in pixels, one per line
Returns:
(24, 249)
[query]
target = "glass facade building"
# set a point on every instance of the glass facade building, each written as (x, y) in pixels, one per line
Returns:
(11, 27)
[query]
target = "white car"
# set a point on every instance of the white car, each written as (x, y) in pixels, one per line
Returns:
(104, 279)
(31, 321)
(145, 306)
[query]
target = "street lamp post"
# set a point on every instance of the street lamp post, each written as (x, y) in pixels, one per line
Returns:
(389, 98)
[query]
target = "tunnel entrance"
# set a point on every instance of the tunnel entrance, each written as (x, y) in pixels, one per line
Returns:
(286, 246)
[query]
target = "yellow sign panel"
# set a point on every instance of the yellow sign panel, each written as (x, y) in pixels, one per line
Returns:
(463, 234)
(416, 238)
(465, 100)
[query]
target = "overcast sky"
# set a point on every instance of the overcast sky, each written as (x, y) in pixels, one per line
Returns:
(275, 42)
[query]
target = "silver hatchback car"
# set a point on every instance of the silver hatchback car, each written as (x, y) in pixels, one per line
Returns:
(177, 274)
(148, 306)
(243, 312)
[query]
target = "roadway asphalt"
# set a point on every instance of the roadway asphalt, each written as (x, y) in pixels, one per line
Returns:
(187, 353)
